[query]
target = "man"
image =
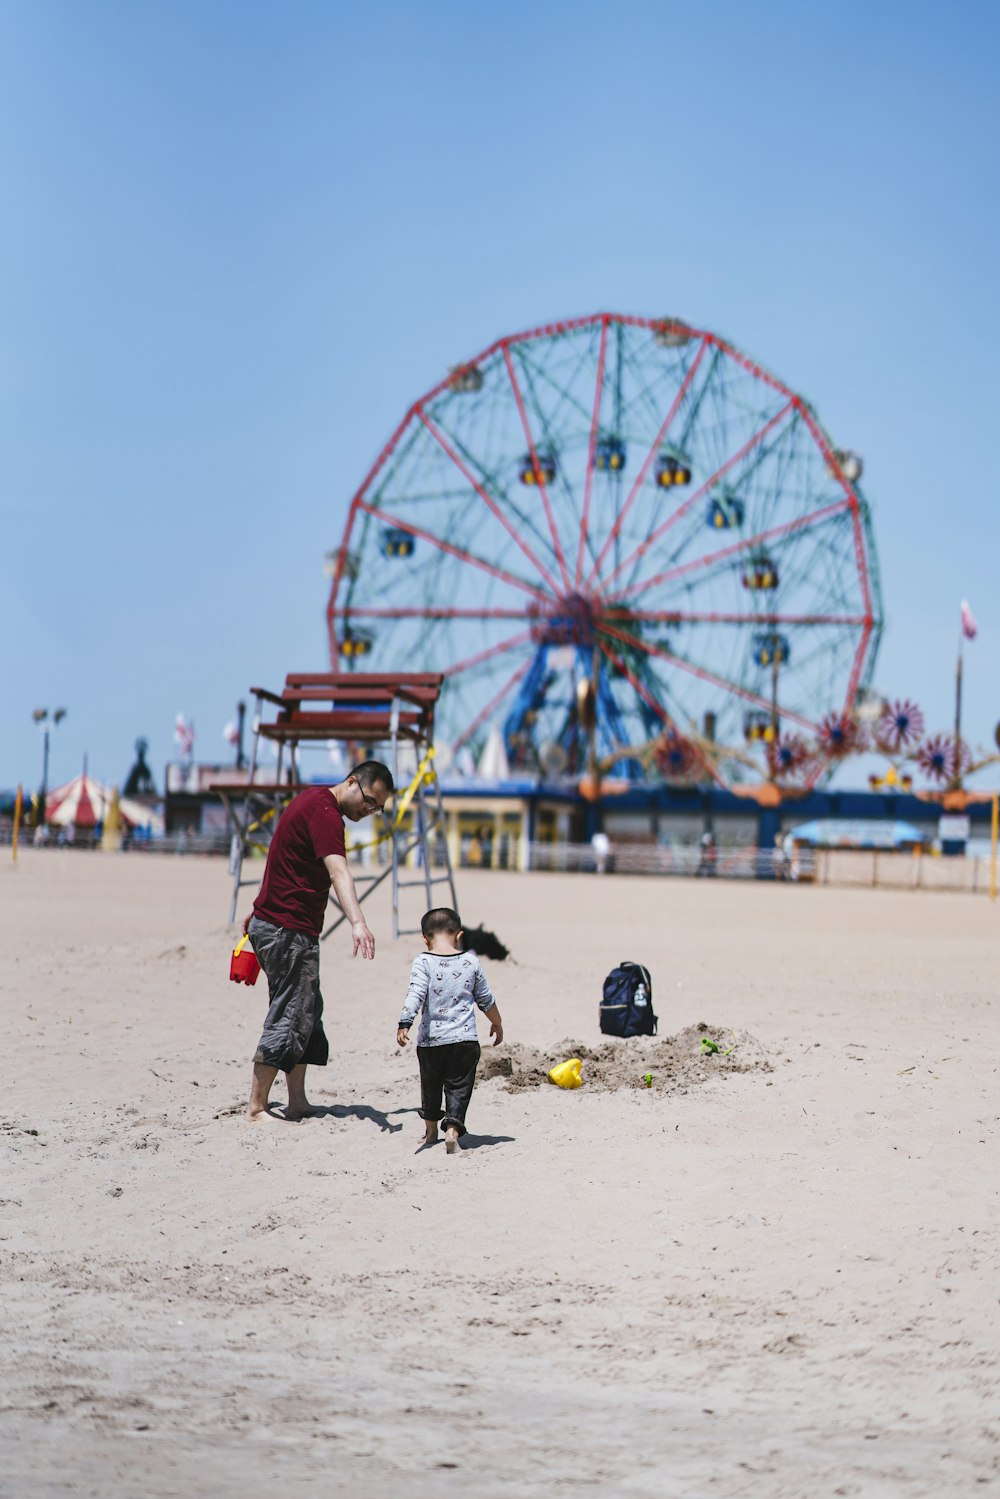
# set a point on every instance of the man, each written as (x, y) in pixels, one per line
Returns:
(307, 855)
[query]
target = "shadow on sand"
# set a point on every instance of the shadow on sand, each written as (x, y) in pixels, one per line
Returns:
(475, 1142)
(468, 1142)
(353, 1111)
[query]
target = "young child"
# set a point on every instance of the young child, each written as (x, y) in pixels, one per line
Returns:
(445, 986)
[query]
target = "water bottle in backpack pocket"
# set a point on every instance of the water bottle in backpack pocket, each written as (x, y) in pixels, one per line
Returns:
(626, 1008)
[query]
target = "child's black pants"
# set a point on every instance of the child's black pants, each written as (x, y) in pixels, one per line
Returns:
(450, 1070)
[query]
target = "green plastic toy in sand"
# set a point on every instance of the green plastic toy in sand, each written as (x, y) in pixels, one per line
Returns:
(708, 1046)
(647, 1078)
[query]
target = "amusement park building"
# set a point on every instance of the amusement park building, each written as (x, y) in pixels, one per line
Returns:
(499, 818)
(677, 815)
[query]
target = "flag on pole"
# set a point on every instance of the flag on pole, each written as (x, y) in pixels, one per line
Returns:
(184, 735)
(969, 627)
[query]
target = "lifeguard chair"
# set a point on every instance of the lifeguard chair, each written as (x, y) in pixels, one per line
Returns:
(385, 710)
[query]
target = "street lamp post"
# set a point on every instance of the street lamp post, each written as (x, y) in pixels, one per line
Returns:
(41, 718)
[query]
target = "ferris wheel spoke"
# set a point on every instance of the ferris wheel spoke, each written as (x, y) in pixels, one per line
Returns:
(485, 655)
(525, 520)
(485, 713)
(704, 675)
(646, 399)
(707, 385)
(430, 612)
(694, 617)
(487, 498)
(453, 551)
(545, 421)
(534, 370)
(588, 482)
(747, 544)
(701, 491)
(543, 488)
(644, 470)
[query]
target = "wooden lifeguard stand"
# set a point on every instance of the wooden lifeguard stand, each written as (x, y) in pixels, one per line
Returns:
(393, 709)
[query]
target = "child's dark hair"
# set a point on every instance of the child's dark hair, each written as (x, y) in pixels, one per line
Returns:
(441, 919)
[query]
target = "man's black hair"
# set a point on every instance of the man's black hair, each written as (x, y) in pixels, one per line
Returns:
(441, 919)
(370, 771)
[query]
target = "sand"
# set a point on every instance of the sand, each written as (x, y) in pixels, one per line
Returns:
(777, 1280)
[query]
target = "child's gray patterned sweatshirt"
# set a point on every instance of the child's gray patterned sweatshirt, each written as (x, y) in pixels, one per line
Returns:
(444, 987)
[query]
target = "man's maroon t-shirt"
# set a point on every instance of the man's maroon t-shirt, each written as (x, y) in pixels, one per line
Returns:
(296, 886)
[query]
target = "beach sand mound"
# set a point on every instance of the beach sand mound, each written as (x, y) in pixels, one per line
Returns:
(674, 1063)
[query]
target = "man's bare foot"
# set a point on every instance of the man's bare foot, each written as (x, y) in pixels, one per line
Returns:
(258, 1104)
(253, 1115)
(451, 1141)
(430, 1131)
(302, 1111)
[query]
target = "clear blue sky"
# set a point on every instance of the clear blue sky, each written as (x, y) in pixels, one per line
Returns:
(240, 238)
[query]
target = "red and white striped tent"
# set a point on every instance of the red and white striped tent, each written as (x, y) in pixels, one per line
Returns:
(84, 802)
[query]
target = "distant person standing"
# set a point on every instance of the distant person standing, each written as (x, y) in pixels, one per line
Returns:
(474, 851)
(779, 859)
(601, 845)
(307, 855)
(708, 854)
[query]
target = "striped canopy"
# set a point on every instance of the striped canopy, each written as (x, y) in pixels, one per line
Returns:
(84, 802)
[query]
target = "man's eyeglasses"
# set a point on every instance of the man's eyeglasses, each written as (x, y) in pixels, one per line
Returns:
(370, 803)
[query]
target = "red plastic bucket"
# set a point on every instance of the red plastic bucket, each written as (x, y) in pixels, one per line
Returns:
(243, 966)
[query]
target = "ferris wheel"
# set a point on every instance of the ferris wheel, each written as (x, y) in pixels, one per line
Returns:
(612, 533)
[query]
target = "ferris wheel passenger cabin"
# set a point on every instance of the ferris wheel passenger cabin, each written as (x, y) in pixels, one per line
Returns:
(670, 333)
(542, 472)
(758, 727)
(465, 378)
(609, 455)
(760, 574)
(671, 471)
(851, 465)
(356, 643)
(770, 649)
(725, 513)
(397, 543)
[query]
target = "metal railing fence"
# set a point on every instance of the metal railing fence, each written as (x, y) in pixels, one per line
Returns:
(871, 868)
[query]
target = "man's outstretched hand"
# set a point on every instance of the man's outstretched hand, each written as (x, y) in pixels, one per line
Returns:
(364, 942)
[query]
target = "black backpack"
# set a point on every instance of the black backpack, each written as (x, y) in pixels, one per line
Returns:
(627, 1006)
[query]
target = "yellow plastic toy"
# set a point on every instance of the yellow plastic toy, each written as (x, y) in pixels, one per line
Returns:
(567, 1074)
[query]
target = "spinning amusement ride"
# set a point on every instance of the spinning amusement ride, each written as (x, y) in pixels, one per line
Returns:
(627, 545)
